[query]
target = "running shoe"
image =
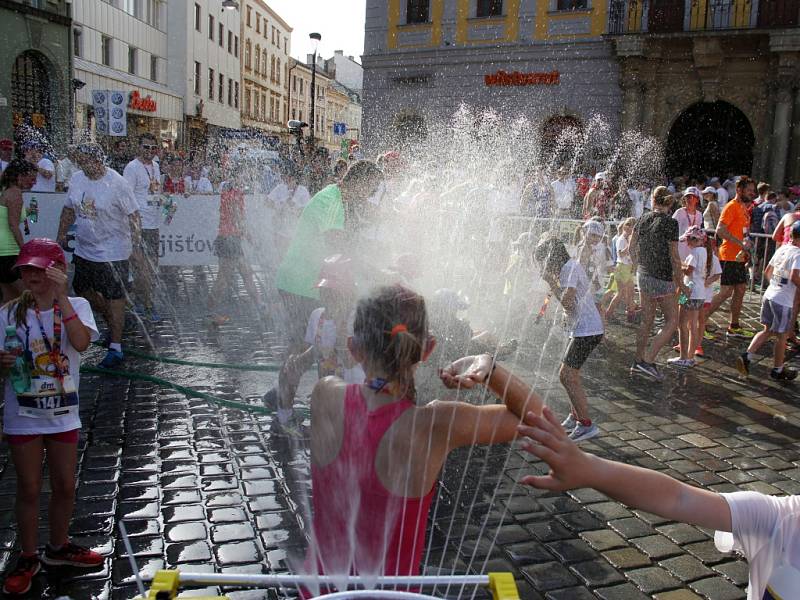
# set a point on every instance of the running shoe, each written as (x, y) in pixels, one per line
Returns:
(71, 555)
(569, 423)
(113, 359)
(707, 335)
(649, 369)
(699, 353)
(584, 432)
(786, 374)
(743, 364)
(739, 333)
(681, 363)
(19, 580)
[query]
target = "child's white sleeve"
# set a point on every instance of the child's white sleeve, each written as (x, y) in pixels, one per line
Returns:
(753, 520)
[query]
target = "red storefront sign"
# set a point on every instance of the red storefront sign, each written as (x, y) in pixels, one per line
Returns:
(136, 102)
(516, 78)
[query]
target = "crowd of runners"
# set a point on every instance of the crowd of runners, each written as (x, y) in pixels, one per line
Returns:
(367, 326)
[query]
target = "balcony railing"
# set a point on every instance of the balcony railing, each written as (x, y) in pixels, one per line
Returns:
(671, 16)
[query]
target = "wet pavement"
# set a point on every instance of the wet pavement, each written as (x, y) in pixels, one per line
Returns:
(204, 488)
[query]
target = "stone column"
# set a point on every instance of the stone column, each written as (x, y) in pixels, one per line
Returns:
(780, 135)
(632, 99)
(793, 168)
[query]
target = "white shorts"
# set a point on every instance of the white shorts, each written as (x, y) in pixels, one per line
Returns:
(777, 317)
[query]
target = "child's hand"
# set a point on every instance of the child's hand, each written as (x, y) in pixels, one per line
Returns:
(467, 372)
(59, 279)
(544, 437)
(7, 361)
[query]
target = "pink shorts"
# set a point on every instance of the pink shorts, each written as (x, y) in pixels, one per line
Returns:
(63, 437)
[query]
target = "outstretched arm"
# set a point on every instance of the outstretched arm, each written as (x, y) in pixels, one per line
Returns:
(636, 487)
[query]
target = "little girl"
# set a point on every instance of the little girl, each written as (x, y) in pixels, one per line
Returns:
(54, 328)
(570, 284)
(694, 276)
(623, 275)
(377, 449)
(713, 274)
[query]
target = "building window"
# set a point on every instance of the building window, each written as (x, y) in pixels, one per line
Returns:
(197, 17)
(257, 58)
(221, 34)
(294, 113)
(272, 69)
(572, 4)
(263, 107)
(258, 23)
(301, 88)
(247, 54)
(417, 11)
(294, 83)
(489, 8)
(230, 42)
(266, 27)
(254, 112)
(131, 60)
(77, 41)
(278, 71)
(197, 78)
(236, 46)
(211, 27)
(286, 45)
(264, 62)
(105, 50)
(236, 94)
(249, 14)
(153, 68)
(221, 88)
(210, 84)
(129, 6)
(230, 92)
(271, 108)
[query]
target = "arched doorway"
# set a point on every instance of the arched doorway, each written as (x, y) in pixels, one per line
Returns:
(710, 138)
(31, 91)
(561, 136)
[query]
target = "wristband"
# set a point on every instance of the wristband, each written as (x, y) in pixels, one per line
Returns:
(70, 318)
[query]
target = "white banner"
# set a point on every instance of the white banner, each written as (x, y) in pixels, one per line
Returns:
(189, 238)
(110, 109)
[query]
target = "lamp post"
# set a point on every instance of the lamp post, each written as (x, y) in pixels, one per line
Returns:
(315, 40)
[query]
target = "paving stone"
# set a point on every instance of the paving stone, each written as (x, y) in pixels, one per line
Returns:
(652, 579)
(656, 546)
(630, 528)
(603, 539)
(686, 568)
(237, 553)
(570, 551)
(185, 552)
(681, 533)
(624, 591)
(597, 573)
(677, 595)
(573, 593)
(717, 588)
(186, 532)
(626, 558)
(706, 552)
(580, 521)
(548, 576)
(607, 511)
(736, 571)
(528, 553)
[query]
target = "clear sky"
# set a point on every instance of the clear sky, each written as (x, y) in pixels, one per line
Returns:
(341, 23)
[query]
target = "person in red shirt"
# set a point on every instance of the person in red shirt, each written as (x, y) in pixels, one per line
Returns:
(733, 228)
(174, 179)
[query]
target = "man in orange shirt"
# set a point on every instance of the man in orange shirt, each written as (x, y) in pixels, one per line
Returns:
(733, 228)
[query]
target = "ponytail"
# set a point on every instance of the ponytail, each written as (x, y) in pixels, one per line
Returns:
(21, 306)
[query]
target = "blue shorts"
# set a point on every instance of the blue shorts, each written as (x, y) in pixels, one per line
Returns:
(777, 317)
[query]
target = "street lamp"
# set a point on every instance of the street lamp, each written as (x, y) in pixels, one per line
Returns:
(316, 38)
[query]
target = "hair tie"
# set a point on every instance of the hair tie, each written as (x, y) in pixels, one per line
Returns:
(398, 329)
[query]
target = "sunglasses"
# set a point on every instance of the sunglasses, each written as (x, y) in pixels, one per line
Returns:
(149, 146)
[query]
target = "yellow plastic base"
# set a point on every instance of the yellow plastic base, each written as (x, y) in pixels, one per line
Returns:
(168, 581)
(503, 586)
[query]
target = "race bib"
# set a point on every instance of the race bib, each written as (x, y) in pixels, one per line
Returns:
(48, 398)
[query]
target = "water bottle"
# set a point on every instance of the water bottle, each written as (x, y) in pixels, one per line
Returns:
(683, 298)
(19, 374)
(33, 210)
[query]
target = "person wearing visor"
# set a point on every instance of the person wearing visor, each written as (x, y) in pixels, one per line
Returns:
(687, 216)
(102, 205)
(711, 208)
(734, 254)
(41, 418)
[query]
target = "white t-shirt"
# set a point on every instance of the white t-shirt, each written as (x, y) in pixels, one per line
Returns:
(586, 320)
(716, 269)
(301, 196)
(3, 165)
(696, 258)
(684, 222)
(722, 197)
(781, 290)
(13, 423)
(139, 176)
(42, 184)
(637, 202)
(198, 186)
(622, 244)
(321, 333)
(102, 208)
(563, 193)
(766, 530)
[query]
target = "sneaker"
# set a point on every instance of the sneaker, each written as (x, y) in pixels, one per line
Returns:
(71, 555)
(649, 369)
(707, 335)
(699, 352)
(743, 364)
(682, 363)
(112, 360)
(584, 432)
(19, 580)
(569, 423)
(270, 399)
(786, 374)
(739, 333)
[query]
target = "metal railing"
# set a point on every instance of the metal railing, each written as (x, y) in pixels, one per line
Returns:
(670, 16)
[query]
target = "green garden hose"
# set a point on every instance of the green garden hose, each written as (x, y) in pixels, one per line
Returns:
(208, 365)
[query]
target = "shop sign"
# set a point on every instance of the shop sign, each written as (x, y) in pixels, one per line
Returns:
(516, 78)
(136, 102)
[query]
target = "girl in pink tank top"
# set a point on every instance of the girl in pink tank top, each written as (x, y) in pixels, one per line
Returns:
(376, 450)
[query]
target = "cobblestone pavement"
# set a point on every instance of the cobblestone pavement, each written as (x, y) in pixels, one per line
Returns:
(209, 489)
